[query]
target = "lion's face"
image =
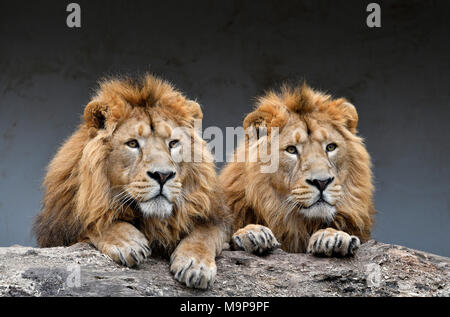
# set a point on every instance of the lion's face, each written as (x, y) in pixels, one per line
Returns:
(311, 166)
(301, 167)
(137, 157)
(144, 165)
(317, 146)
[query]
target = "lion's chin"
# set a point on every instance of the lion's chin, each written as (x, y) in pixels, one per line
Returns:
(157, 207)
(322, 211)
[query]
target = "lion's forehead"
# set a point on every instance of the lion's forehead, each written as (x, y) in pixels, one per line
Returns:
(144, 127)
(301, 130)
(163, 128)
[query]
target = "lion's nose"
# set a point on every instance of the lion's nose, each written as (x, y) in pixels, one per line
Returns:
(321, 184)
(161, 177)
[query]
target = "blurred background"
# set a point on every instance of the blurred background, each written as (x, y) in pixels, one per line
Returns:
(225, 53)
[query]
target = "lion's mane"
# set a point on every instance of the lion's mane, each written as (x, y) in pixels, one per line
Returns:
(77, 196)
(253, 198)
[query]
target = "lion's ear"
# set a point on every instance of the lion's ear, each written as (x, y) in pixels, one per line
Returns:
(257, 119)
(194, 110)
(350, 115)
(265, 117)
(95, 114)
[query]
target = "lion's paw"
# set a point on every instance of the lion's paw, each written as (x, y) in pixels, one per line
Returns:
(329, 242)
(193, 270)
(255, 239)
(125, 245)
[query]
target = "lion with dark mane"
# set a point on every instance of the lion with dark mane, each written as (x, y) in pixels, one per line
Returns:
(319, 199)
(122, 182)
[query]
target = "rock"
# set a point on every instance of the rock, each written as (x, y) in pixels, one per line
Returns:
(378, 269)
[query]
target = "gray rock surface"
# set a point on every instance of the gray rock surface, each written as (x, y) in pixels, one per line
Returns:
(378, 269)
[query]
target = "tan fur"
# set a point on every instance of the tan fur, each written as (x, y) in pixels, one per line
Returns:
(255, 239)
(95, 181)
(309, 120)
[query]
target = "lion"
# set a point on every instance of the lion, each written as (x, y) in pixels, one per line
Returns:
(122, 182)
(319, 199)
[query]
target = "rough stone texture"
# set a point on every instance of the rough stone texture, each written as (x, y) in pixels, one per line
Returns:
(26, 271)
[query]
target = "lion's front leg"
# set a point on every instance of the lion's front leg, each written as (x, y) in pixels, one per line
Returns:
(255, 239)
(193, 261)
(123, 243)
(329, 242)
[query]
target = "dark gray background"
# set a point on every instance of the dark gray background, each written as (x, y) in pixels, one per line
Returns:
(224, 53)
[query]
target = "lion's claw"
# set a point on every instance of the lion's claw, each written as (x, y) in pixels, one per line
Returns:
(192, 270)
(125, 245)
(255, 239)
(329, 242)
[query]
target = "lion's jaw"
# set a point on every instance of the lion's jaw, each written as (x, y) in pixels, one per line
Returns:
(159, 201)
(319, 210)
(156, 207)
(313, 204)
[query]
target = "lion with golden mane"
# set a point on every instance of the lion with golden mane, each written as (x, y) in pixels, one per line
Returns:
(123, 183)
(319, 199)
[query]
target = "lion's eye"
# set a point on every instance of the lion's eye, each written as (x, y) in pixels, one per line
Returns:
(331, 147)
(173, 143)
(291, 149)
(134, 144)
